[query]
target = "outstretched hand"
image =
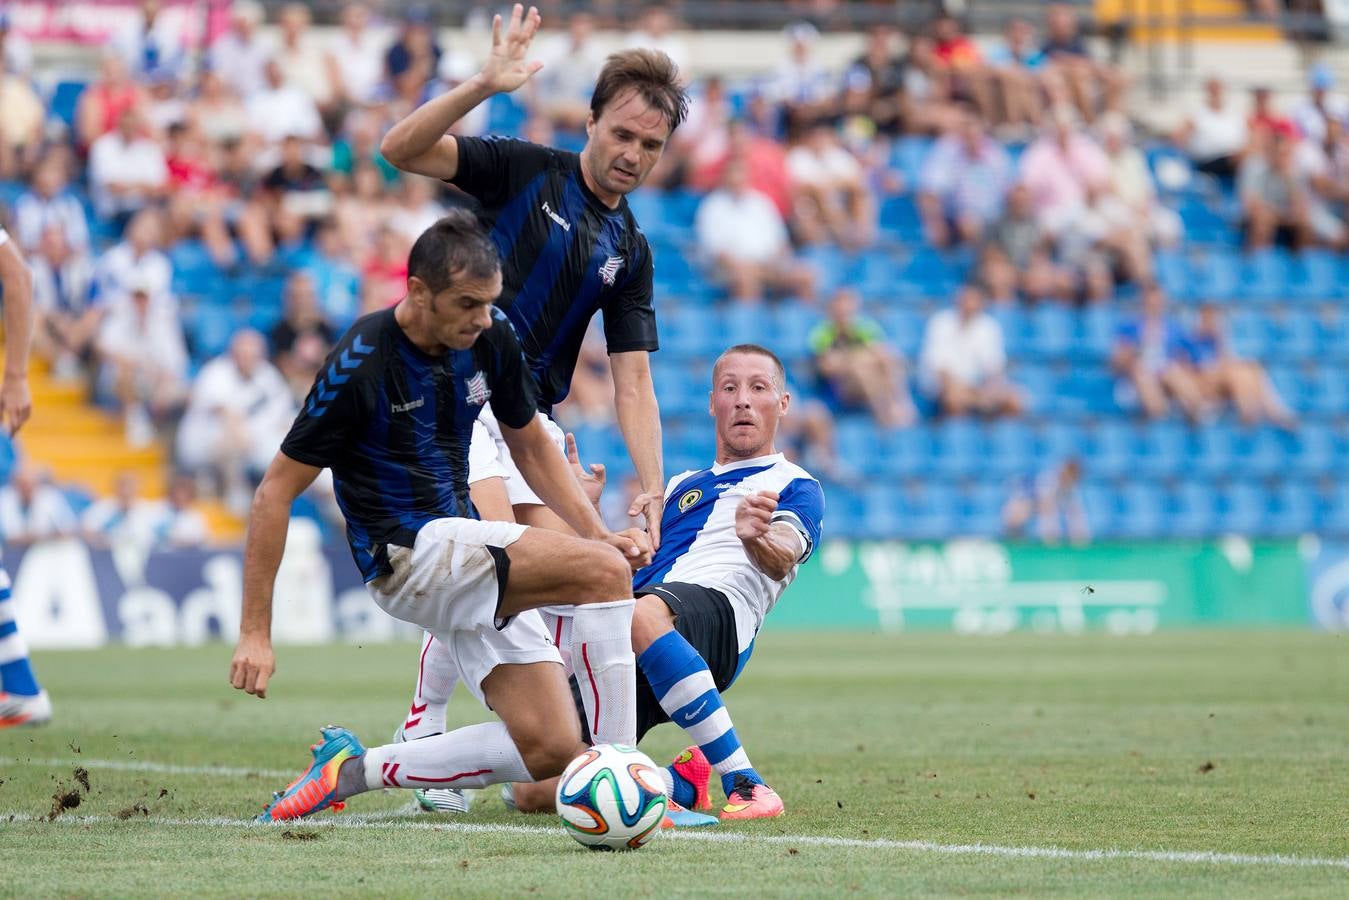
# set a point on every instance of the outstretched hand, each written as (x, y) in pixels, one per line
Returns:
(592, 482)
(506, 67)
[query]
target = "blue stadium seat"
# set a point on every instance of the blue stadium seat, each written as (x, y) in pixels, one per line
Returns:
(1293, 335)
(1249, 330)
(1332, 335)
(979, 509)
(1099, 502)
(1009, 448)
(929, 511)
(907, 452)
(1058, 441)
(884, 511)
(1141, 510)
(956, 448)
(1211, 451)
(1113, 448)
(1334, 516)
(1293, 510)
(1312, 449)
(1325, 391)
(687, 332)
(1243, 508)
(1314, 275)
(903, 329)
(907, 155)
(64, 101)
(1192, 510)
(1173, 274)
(847, 513)
(899, 215)
(1216, 275)
(1162, 449)
(1051, 331)
(1261, 451)
(861, 439)
(792, 325)
(1265, 275)
(1095, 333)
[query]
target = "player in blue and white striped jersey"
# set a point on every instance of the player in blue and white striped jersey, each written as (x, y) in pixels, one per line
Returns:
(734, 535)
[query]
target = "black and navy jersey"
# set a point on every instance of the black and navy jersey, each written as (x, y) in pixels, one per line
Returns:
(394, 424)
(564, 256)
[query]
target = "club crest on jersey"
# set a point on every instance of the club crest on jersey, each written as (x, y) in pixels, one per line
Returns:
(689, 498)
(609, 271)
(476, 390)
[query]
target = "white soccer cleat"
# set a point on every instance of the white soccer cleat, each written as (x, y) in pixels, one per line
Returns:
(443, 800)
(18, 709)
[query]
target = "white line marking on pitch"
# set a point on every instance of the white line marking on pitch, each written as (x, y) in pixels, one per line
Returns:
(390, 820)
(132, 765)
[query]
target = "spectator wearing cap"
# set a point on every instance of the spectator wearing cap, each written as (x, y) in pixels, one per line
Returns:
(831, 188)
(962, 364)
(355, 57)
(20, 126)
(68, 313)
(127, 169)
(240, 55)
(744, 239)
(1215, 132)
(1278, 201)
(855, 366)
(1321, 106)
(1153, 361)
(47, 203)
(280, 109)
(144, 360)
(963, 182)
(239, 410)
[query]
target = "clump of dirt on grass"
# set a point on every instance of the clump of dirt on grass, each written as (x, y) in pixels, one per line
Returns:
(1207, 767)
(62, 801)
(82, 776)
(132, 810)
(291, 834)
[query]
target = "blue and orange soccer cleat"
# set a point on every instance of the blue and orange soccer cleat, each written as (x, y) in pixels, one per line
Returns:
(677, 816)
(314, 790)
(692, 766)
(749, 800)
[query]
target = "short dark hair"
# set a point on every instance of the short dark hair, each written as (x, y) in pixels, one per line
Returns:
(758, 350)
(652, 74)
(457, 246)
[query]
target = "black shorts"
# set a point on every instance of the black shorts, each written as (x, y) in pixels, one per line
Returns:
(706, 620)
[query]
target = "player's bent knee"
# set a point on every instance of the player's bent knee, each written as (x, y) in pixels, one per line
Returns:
(651, 619)
(546, 757)
(607, 575)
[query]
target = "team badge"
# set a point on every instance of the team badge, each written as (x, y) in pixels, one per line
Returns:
(609, 271)
(476, 390)
(689, 498)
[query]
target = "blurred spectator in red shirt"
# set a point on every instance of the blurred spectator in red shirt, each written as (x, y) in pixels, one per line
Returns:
(104, 101)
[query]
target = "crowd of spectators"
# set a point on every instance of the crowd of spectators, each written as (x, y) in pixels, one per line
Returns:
(264, 148)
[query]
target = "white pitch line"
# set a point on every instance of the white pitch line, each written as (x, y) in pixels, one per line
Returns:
(130, 765)
(390, 820)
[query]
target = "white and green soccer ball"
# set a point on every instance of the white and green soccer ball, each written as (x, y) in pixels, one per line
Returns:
(611, 798)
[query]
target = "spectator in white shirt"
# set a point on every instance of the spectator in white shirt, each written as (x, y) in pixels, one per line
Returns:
(138, 259)
(68, 315)
(32, 509)
(417, 208)
(655, 31)
(150, 45)
(176, 524)
(801, 83)
(47, 204)
(571, 63)
(301, 58)
(962, 363)
(124, 518)
(280, 109)
(239, 55)
(144, 361)
(355, 57)
(1215, 133)
(239, 412)
(127, 169)
(832, 188)
(741, 233)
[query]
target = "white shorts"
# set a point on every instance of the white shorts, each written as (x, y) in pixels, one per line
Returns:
(448, 584)
(482, 453)
(517, 488)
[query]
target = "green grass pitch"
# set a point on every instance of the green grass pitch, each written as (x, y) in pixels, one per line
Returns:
(895, 755)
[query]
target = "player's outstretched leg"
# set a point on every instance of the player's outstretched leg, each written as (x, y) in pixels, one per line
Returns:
(686, 690)
(22, 699)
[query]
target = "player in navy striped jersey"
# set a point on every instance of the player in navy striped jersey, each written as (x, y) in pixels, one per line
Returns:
(392, 414)
(734, 535)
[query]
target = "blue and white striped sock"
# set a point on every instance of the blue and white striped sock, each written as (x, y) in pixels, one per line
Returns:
(684, 686)
(16, 675)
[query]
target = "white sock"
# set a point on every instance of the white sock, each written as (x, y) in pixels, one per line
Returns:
(606, 670)
(666, 779)
(557, 619)
(436, 678)
(470, 757)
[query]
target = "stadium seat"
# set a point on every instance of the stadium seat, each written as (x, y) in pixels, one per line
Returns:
(1315, 275)
(1057, 441)
(1311, 449)
(792, 325)
(928, 511)
(979, 509)
(956, 449)
(1008, 448)
(1141, 510)
(1161, 448)
(1264, 275)
(1099, 502)
(899, 215)
(884, 511)
(1192, 510)
(1113, 448)
(1243, 508)
(1050, 331)
(907, 452)
(1211, 451)
(1293, 335)
(1292, 511)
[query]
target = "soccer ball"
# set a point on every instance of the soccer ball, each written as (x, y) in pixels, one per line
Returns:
(610, 798)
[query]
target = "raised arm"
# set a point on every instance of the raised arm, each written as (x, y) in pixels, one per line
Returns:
(420, 144)
(16, 403)
(254, 662)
